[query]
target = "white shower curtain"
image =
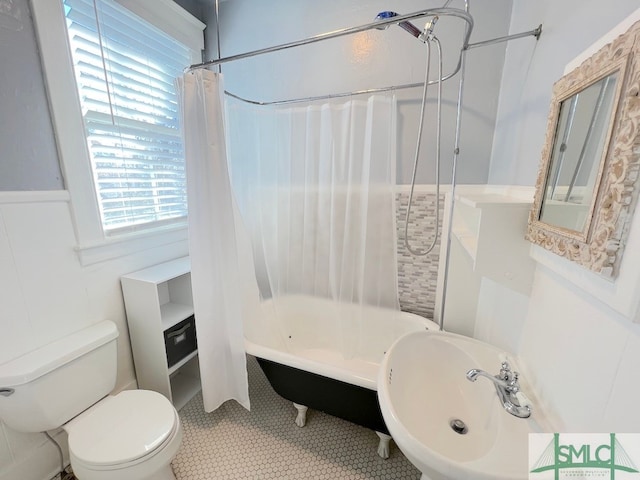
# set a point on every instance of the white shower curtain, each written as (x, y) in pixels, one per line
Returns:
(316, 187)
(222, 275)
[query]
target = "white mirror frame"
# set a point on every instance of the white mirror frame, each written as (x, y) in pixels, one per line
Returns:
(600, 246)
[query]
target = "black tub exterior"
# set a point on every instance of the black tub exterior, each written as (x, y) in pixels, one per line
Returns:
(340, 399)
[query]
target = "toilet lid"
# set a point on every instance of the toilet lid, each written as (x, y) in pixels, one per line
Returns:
(126, 427)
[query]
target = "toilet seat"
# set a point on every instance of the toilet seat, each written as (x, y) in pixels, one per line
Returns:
(122, 430)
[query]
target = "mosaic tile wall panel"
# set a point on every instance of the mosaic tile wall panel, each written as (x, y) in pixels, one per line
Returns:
(417, 276)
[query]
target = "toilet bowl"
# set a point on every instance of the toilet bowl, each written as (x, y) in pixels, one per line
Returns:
(133, 435)
(130, 436)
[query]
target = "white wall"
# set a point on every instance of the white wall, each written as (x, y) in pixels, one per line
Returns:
(582, 358)
(575, 334)
(368, 60)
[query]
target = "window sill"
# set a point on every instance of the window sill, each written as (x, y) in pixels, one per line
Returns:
(113, 248)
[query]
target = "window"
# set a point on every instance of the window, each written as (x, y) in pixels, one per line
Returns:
(124, 69)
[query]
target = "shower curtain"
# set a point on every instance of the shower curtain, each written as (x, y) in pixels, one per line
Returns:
(223, 282)
(316, 187)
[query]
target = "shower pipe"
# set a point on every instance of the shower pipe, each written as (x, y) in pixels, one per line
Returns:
(454, 170)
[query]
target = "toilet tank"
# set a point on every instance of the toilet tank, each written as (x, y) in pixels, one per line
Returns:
(47, 387)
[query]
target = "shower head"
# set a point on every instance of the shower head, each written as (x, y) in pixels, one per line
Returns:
(407, 26)
(411, 28)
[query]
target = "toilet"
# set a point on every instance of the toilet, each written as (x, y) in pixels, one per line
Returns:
(133, 435)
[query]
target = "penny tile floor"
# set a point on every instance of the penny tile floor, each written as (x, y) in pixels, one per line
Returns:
(265, 443)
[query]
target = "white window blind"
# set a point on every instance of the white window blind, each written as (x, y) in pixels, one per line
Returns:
(125, 70)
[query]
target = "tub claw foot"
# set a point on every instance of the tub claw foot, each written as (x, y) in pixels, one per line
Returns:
(301, 419)
(383, 446)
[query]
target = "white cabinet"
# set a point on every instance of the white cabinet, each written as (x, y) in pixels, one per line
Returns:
(157, 299)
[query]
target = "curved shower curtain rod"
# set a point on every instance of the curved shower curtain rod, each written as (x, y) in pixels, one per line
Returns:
(378, 24)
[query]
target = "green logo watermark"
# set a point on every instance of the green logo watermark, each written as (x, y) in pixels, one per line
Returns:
(583, 456)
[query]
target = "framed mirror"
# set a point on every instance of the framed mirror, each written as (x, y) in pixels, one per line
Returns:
(587, 181)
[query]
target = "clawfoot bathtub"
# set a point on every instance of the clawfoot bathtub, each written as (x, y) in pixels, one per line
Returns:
(325, 355)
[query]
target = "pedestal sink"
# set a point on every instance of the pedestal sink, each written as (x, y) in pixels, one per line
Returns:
(447, 426)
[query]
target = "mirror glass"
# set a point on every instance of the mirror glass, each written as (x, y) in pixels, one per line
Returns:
(577, 154)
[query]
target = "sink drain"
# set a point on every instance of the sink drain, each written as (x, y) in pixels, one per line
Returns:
(458, 426)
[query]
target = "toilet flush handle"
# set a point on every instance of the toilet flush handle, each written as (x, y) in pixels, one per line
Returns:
(5, 392)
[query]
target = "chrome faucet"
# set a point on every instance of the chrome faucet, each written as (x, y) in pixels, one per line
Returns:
(508, 389)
